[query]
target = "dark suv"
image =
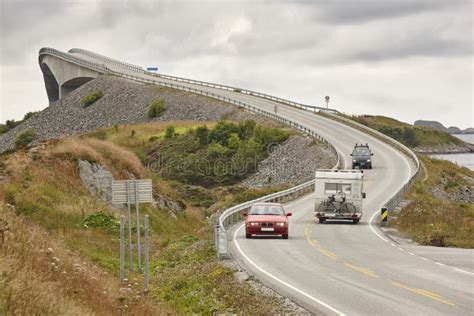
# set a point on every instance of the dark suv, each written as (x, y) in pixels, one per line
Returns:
(361, 157)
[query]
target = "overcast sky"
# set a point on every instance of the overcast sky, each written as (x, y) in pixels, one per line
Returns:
(405, 59)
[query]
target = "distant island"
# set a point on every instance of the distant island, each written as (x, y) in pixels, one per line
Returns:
(437, 125)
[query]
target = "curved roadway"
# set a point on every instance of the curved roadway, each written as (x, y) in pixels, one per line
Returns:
(345, 268)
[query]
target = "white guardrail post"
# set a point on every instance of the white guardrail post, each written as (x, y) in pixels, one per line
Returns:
(233, 214)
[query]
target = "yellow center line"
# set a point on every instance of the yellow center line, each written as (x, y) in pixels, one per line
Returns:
(425, 293)
(312, 242)
(329, 254)
(361, 270)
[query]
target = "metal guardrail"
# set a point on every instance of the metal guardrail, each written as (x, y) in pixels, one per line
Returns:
(393, 202)
(139, 69)
(107, 59)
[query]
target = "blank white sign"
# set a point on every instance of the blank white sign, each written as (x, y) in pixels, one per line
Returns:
(119, 191)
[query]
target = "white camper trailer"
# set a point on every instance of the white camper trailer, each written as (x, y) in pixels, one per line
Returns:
(339, 195)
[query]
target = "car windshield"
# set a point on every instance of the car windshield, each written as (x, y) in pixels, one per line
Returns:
(266, 210)
(361, 152)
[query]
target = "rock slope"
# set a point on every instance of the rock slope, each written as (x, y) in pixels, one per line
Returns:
(124, 102)
(292, 163)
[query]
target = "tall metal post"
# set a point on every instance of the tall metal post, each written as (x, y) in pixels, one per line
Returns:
(129, 213)
(122, 248)
(147, 255)
(137, 209)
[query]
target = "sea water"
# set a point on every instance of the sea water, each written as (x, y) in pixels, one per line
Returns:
(466, 160)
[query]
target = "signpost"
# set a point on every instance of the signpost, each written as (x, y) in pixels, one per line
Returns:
(327, 101)
(132, 192)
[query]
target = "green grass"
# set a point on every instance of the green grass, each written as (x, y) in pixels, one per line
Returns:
(156, 108)
(409, 135)
(24, 138)
(438, 221)
(91, 98)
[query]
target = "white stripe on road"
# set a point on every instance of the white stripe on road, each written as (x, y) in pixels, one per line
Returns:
(279, 280)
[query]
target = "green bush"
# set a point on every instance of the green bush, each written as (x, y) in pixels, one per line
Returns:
(24, 138)
(202, 135)
(169, 133)
(91, 98)
(157, 108)
(101, 220)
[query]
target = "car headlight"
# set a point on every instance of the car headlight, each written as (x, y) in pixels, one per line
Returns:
(353, 160)
(368, 160)
(280, 224)
(253, 224)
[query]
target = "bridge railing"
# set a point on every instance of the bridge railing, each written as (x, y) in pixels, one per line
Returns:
(70, 58)
(139, 69)
(107, 59)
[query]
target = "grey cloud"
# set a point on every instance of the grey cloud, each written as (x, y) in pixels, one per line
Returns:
(352, 11)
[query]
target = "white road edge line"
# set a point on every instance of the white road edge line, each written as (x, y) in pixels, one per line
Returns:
(464, 271)
(405, 159)
(279, 280)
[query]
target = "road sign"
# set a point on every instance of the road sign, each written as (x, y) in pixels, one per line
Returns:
(119, 191)
(152, 69)
(327, 98)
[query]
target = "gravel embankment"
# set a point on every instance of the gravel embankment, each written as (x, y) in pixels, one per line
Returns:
(124, 102)
(292, 163)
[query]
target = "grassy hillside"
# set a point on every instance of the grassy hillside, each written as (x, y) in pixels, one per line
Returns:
(409, 135)
(46, 206)
(442, 211)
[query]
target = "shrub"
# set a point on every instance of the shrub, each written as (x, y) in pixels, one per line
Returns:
(101, 220)
(157, 108)
(202, 135)
(169, 133)
(24, 138)
(91, 98)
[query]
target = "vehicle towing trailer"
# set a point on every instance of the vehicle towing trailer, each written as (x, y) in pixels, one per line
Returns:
(339, 195)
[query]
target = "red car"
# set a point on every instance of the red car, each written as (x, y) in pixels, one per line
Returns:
(266, 219)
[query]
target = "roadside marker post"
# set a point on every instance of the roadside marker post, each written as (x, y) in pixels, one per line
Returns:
(137, 209)
(384, 216)
(122, 248)
(129, 214)
(147, 254)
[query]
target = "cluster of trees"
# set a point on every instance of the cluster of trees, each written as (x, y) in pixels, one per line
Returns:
(225, 154)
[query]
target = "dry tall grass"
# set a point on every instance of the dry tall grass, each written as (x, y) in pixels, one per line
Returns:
(40, 276)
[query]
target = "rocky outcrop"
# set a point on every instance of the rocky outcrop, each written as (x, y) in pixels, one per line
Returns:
(463, 192)
(445, 149)
(291, 163)
(437, 125)
(96, 179)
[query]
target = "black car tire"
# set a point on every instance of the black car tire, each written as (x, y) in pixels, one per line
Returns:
(248, 236)
(284, 236)
(355, 221)
(322, 220)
